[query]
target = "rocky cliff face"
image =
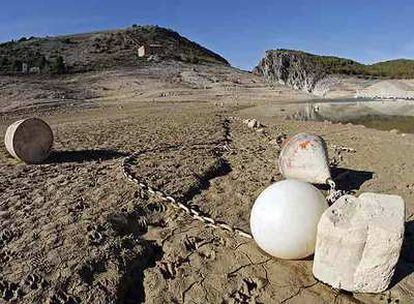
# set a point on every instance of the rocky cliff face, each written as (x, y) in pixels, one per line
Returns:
(293, 68)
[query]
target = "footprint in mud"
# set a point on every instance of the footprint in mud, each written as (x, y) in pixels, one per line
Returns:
(134, 206)
(167, 270)
(79, 206)
(34, 281)
(94, 236)
(136, 216)
(128, 223)
(90, 269)
(61, 297)
(153, 208)
(9, 291)
(154, 214)
(192, 243)
(207, 253)
(247, 291)
(389, 299)
(5, 237)
(5, 256)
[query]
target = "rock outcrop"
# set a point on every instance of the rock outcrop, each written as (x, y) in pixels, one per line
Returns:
(359, 242)
(322, 75)
(292, 68)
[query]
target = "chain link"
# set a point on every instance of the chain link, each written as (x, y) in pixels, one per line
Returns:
(223, 149)
(334, 194)
(185, 207)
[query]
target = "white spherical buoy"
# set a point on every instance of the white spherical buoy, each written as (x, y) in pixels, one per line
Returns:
(29, 140)
(285, 217)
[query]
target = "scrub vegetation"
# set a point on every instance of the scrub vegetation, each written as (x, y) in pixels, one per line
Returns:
(398, 68)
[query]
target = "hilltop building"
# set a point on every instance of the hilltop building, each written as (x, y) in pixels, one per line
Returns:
(25, 68)
(150, 49)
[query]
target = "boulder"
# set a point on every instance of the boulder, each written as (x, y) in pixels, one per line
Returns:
(359, 242)
(253, 123)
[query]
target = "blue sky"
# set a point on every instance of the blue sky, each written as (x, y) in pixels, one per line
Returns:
(364, 30)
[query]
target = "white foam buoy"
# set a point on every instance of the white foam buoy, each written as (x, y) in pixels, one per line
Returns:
(29, 140)
(284, 219)
(304, 157)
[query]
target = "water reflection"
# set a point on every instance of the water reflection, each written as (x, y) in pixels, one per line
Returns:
(383, 115)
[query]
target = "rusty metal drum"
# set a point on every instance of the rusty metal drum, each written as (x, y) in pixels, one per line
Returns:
(304, 157)
(29, 140)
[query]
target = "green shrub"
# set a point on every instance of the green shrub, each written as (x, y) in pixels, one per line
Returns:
(58, 66)
(17, 66)
(401, 68)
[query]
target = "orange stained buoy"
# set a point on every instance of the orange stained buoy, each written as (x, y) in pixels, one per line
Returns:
(304, 157)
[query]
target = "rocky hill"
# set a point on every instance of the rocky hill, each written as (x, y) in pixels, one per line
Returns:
(100, 50)
(292, 68)
(316, 74)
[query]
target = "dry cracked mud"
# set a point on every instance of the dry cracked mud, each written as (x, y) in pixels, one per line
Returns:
(74, 230)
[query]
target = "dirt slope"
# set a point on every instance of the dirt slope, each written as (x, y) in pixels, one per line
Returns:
(102, 50)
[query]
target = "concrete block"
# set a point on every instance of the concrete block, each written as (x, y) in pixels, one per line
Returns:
(359, 242)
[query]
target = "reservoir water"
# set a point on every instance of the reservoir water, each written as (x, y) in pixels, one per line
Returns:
(378, 114)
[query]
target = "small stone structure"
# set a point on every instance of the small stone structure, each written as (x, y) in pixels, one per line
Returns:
(34, 70)
(359, 242)
(150, 49)
(25, 68)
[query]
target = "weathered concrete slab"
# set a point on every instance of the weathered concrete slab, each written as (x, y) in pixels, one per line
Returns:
(359, 242)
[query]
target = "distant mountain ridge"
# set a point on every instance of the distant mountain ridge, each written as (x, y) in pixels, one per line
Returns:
(318, 74)
(100, 50)
(397, 68)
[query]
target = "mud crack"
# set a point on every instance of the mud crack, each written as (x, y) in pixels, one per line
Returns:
(251, 263)
(302, 288)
